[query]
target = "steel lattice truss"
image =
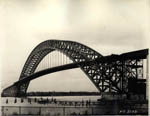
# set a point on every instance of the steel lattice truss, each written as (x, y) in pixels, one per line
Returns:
(107, 76)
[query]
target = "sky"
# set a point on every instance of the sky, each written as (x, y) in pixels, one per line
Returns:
(107, 26)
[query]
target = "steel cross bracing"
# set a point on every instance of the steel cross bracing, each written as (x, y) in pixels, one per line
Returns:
(107, 76)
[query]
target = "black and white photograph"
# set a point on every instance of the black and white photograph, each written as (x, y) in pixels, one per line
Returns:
(74, 57)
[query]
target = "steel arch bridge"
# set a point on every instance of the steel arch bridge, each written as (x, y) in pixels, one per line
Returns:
(108, 74)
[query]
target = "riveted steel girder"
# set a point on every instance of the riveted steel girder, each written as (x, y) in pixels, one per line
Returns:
(107, 73)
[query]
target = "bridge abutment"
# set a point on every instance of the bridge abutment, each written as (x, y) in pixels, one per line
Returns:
(11, 91)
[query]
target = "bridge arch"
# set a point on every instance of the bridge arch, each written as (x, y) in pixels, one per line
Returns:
(108, 74)
(77, 52)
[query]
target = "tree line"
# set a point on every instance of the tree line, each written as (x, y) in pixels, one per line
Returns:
(80, 93)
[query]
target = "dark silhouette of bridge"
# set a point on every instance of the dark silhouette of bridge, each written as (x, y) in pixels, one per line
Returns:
(112, 73)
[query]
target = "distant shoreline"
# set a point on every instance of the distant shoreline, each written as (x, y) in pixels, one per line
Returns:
(63, 93)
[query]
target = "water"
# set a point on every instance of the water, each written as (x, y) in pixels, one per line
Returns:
(72, 98)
